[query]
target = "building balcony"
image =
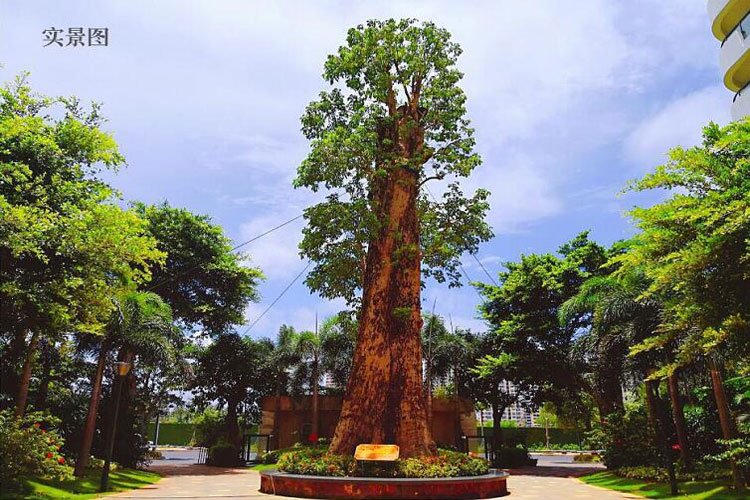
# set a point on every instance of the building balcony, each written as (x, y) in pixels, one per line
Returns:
(725, 15)
(734, 57)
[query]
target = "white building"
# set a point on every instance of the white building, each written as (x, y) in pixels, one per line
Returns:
(517, 412)
(730, 24)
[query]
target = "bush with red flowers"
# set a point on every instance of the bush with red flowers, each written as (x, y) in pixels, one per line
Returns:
(30, 445)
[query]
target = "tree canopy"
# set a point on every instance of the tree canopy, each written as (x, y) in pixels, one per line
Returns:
(385, 69)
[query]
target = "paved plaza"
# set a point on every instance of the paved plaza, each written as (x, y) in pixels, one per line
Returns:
(553, 479)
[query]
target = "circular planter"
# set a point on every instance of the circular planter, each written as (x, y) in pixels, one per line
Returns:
(294, 485)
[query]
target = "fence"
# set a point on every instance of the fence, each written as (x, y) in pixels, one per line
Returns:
(530, 436)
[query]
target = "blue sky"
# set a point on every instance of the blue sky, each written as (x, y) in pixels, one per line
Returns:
(569, 100)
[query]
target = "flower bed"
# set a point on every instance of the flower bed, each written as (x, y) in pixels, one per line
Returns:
(318, 462)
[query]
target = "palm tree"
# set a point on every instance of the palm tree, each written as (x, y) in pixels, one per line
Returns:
(623, 316)
(140, 323)
(308, 347)
(338, 336)
(282, 358)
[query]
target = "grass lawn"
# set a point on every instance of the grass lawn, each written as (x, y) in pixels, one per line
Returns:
(87, 486)
(697, 490)
(263, 467)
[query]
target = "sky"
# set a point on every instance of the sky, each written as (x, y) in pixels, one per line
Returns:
(569, 100)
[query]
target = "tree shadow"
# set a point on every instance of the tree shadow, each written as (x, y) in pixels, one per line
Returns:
(195, 470)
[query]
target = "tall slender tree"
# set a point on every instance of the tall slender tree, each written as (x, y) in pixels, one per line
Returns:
(140, 323)
(394, 120)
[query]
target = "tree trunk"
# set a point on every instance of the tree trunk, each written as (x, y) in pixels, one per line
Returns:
(725, 419)
(44, 381)
(457, 411)
(660, 429)
(315, 423)
(384, 400)
(429, 395)
(497, 433)
(276, 411)
(88, 430)
(232, 426)
(28, 365)
(678, 416)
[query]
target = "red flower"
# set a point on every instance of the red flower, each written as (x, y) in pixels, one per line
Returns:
(36, 424)
(61, 460)
(49, 455)
(676, 447)
(313, 438)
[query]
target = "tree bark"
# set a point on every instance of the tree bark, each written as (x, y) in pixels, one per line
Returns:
(28, 366)
(90, 426)
(678, 416)
(725, 419)
(384, 400)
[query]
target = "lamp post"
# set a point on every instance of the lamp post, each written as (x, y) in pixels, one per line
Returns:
(121, 368)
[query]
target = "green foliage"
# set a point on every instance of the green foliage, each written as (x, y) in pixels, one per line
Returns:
(30, 446)
(701, 472)
(626, 438)
(202, 279)
(63, 237)
(223, 454)
(338, 337)
(317, 461)
(513, 456)
(695, 490)
(445, 464)
(233, 371)
(694, 246)
(209, 427)
(527, 344)
(392, 80)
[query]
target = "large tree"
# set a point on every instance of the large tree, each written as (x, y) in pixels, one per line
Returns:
(394, 120)
(140, 323)
(202, 279)
(65, 246)
(695, 248)
(232, 371)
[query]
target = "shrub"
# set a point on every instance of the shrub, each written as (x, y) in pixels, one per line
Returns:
(513, 457)
(701, 472)
(30, 446)
(586, 457)
(626, 438)
(273, 456)
(446, 463)
(98, 464)
(317, 461)
(223, 455)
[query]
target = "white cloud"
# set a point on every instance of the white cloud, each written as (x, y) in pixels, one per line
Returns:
(678, 123)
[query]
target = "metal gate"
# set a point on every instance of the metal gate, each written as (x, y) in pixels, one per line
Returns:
(254, 446)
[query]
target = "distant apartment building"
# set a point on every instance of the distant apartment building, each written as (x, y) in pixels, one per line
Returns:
(730, 24)
(519, 412)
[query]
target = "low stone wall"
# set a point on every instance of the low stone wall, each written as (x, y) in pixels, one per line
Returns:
(293, 485)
